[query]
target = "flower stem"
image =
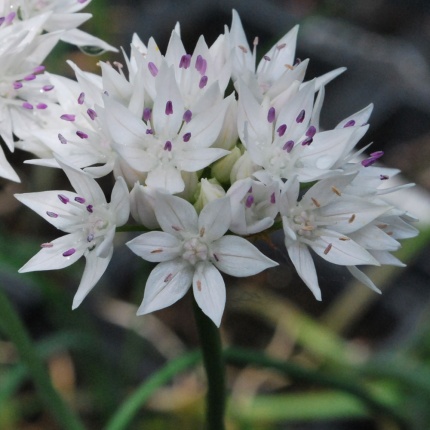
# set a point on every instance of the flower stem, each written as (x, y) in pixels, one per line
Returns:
(11, 325)
(210, 342)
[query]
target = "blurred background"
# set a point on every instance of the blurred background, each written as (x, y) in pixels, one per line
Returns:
(97, 355)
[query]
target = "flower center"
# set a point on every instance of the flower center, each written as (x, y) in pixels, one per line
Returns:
(303, 222)
(195, 250)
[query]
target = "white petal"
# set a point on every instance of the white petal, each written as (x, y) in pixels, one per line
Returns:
(167, 283)
(215, 217)
(359, 275)
(175, 215)
(237, 257)
(304, 264)
(197, 159)
(51, 258)
(166, 178)
(94, 269)
(209, 291)
(106, 246)
(156, 246)
(120, 202)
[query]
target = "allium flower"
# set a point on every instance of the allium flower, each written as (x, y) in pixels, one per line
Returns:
(327, 221)
(192, 250)
(89, 221)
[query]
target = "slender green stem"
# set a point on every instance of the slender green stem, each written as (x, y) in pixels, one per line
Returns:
(12, 326)
(126, 412)
(210, 342)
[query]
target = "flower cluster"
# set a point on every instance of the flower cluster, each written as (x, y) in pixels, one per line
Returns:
(198, 169)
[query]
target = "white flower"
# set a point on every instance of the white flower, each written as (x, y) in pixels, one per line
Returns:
(330, 222)
(254, 206)
(89, 221)
(192, 250)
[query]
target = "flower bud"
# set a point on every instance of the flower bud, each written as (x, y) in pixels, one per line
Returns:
(142, 200)
(221, 169)
(208, 190)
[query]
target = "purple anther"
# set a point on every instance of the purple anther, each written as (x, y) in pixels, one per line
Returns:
(153, 69)
(82, 135)
(249, 201)
(187, 137)
(51, 214)
(301, 116)
(79, 199)
(288, 146)
(384, 177)
(201, 64)
(27, 105)
(203, 81)
(147, 112)
(281, 46)
(29, 77)
(39, 69)
(273, 198)
(82, 1)
(307, 141)
(350, 123)
(185, 61)
(68, 117)
(41, 106)
(149, 131)
(92, 114)
(374, 156)
(2, 19)
(17, 85)
(62, 139)
(282, 129)
(10, 17)
(69, 252)
(216, 257)
(267, 58)
(271, 114)
(377, 154)
(169, 108)
(63, 199)
(297, 62)
(187, 116)
(90, 237)
(48, 88)
(311, 131)
(81, 98)
(168, 146)
(90, 209)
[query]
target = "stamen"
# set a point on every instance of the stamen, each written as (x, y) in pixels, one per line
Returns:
(92, 114)
(47, 88)
(82, 135)
(288, 146)
(81, 98)
(311, 131)
(316, 202)
(68, 117)
(273, 198)
(27, 105)
(169, 108)
(203, 81)
(62, 138)
(185, 61)
(147, 112)
(350, 123)
(149, 131)
(201, 64)
(307, 141)
(255, 41)
(168, 146)
(327, 250)
(79, 200)
(152, 69)
(41, 106)
(282, 129)
(351, 219)
(336, 191)
(187, 137)
(46, 245)
(266, 57)
(51, 214)
(90, 209)
(243, 49)
(17, 85)
(176, 228)
(63, 199)
(374, 156)
(384, 177)
(249, 201)
(199, 285)
(156, 251)
(216, 257)
(297, 62)
(39, 69)
(300, 116)
(187, 116)
(281, 46)
(271, 115)
(168, 278)
(202, 232)
(69, 252)
(30, 77)
(344, 238)
(90, 237)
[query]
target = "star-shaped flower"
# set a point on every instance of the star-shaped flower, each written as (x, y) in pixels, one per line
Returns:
(89, 221)
(192, 250)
